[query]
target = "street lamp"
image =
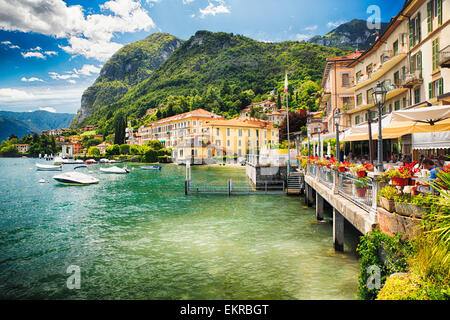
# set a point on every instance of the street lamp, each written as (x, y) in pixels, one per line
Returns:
(308, 132)
(369, 124)
(379, 96)
(336, 117)
(319, 130)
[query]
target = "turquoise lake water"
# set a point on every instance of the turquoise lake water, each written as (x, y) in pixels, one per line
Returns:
(137, 236)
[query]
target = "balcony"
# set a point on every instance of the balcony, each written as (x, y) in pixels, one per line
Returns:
(410, 80)
(444, 57)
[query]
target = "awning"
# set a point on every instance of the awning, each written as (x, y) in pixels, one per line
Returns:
(420, 120)
(431, 140)
(361, 132)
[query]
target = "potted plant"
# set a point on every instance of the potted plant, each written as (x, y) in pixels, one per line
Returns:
(361, 185)
(360, 171)
(401, 177)
(414, 206)
(386, 197)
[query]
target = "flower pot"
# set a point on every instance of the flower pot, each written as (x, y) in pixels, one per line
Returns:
(400, 182)
(361, 192)
(360, 174)
(410, 210)
(388, 205)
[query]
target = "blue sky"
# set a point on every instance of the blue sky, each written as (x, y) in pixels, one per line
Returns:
(52, 50)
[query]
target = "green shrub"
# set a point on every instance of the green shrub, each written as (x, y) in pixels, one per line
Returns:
(388, 192)
(124, 149)
(389, 253)
(151, 155)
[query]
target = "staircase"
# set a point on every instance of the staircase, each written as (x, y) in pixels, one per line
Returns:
(295, 183)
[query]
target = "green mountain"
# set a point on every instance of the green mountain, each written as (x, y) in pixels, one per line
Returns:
(350, 36)
(215, 71)
(126, 68)
(22, 123)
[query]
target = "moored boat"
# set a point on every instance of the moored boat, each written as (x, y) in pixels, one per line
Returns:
(90, 161)
(154, 167)
(75, 178)
(115, 170)
(48, 167)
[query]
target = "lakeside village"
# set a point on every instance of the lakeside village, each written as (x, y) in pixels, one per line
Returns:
(376, 153)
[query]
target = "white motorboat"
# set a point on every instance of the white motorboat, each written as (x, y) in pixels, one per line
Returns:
(57, 161)
(48, 167)
(154, 167)
(104, 160)
(115, 169)
(75, 178)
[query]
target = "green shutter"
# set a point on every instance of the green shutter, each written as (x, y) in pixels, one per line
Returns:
(430, 16)
(441, 86)
(419, 29)
(411, 36)
(411, 64)
(439, 4)
(419, 61)
(430, 90)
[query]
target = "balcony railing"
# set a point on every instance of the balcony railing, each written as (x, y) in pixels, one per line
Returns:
(444, 57)
(413, 79)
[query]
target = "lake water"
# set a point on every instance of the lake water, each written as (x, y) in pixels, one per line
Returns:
(139, 237)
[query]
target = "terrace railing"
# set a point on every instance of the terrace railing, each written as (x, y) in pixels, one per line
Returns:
(326, 177)
(360, 191)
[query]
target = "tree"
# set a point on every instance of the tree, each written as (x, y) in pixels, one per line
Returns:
(296, 122)
(151, 155)
(113, 150)
(120, 124)
(279, 102)
(125, 149)
(94, 152)
(155, 144)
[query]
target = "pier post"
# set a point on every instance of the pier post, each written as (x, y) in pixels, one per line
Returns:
(319, 207)
(338, 230)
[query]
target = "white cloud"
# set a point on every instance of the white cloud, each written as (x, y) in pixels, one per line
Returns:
(6, 42)
(335, 24)
(311, 28)
(48, 109)
(36, 49)
(10, 45)
(58, 76)
(90, 35)
(32, 79)
(303, 37)
(87, 70)
(50, 53)
(33, 54)
(213, 9)
(10, 94)
(187, 1)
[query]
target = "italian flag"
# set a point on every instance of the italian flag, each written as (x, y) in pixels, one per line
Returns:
(286, 84)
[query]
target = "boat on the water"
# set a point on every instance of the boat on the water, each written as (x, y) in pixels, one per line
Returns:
(75, 178)
(115, 170)
(90, 161)
(58, 160)
(48, 167)
(154, 167)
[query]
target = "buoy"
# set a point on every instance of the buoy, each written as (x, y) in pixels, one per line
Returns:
(31, 169)
(42, 181)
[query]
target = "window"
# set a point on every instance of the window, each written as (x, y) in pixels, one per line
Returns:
(218, 131)
(195, 123)
(240, 143)
(397, 78)
(358, 76)
(414, 31)
(357, 120)
(218, 143)
(435, 54)
(240, 132)
(369, 96)
(228, 143)
(396, 105)
(416, 62)
(395, 47)
(359, 99)
(228, 132)
(249, 132)
(369, 69)
(345, 79)
(436, 88)
(404, 102)
(416, 95)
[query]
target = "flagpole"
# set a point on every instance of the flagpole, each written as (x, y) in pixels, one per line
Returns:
(287, 122)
